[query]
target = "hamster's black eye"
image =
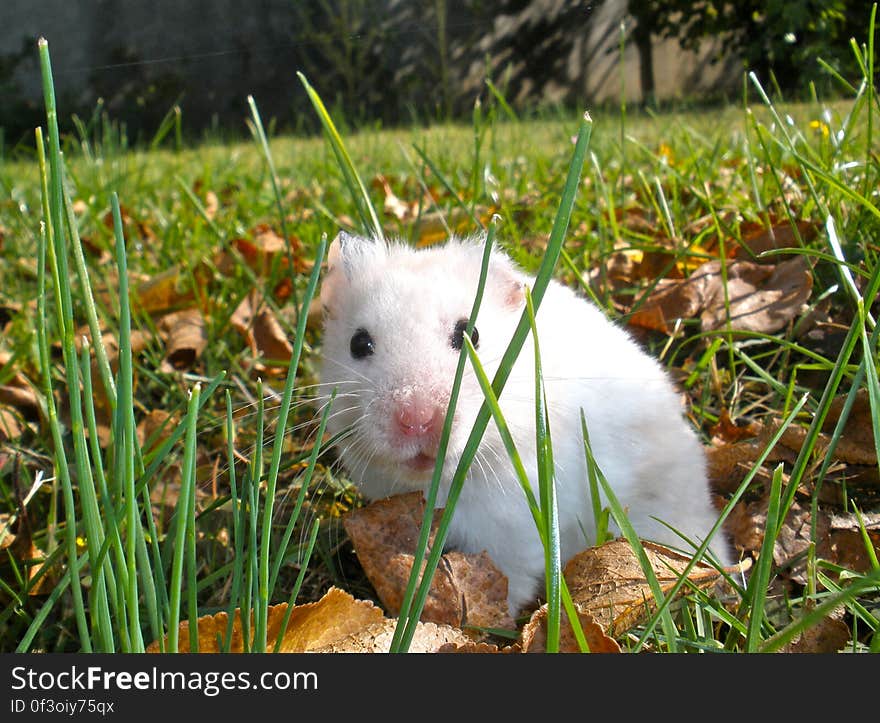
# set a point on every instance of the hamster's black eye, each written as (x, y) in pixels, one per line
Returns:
(458, 333)
(361, 344)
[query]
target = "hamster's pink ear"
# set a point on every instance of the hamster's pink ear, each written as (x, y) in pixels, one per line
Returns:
(508, 281)
(343, 257)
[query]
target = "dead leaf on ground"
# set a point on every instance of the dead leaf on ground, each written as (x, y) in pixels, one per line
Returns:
(212, 205)
(608, 582)
(155, 428)
(133, 228)
(731, 460)
(466, 590)
(10, 426)
(762, 297)
(17, 392)
(185, 336)
(334, 624)
(19, 549)
(254, 320)
(757, 238)
(263, 250)
(376, 638)
(829, 635)
(393, 205)
(172, 289)
(856, 446)
(534, 634)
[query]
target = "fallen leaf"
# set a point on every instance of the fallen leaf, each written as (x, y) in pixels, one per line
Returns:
(310, 626)
(829, 635)
(472, 647)
(334, 624)
(376, 638)
(759, 297)
(155, 428)
(757, 238)
(856, 446)
(726, 431)
(394, 206)
(10, 427)
(467, 589)
(185, 337)
(608, 583)
(267, 340)
(212, 205)
(534, 634)
(165, 291)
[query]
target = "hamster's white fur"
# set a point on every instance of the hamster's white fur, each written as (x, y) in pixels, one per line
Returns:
(409, 301)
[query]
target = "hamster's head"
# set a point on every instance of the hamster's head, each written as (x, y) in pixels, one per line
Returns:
(394, 318)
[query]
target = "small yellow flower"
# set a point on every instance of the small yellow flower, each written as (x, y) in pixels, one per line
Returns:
(820, 127)
(666, 153)
(80, 542)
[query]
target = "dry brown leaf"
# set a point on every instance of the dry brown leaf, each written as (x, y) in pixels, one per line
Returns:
(133, 228)
(436, 226)
(264, 250)
(256, 322)
(311, 626)
(856, 446)
(376, 638)
(393, 205)
(185, 337)
(608, 582)
(534, 634)
(212, 205)
(167, 290)
(18, 546)
(829, 635)
(337, 623)
(726, 431)
(10, 427)
(472, 647)
(466, 589)
(155, 428)
(762, 297)
(756, 238)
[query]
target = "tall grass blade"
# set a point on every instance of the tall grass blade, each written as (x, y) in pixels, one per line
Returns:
(406, 606)
(261, 611)
(181, 523)
(64, 307)
(545, 272)
(356, 187)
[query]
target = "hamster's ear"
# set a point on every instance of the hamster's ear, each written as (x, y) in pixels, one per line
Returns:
(342, 260)
(347, 251)
(508, 282)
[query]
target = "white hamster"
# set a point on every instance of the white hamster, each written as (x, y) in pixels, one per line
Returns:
(393, 320)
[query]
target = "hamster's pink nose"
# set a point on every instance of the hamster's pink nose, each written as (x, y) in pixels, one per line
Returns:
(417, 417)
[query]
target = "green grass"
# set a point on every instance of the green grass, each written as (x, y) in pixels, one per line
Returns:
(256, 520)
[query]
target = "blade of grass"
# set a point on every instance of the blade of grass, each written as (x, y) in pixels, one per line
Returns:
(523, 478)
(356, 187)
(261, 612)
(125, 399)
(760, 579)
(182, 515)
(397, 640)
(64, 306)
(622, 520)
(551, 257)
(260, 136)
(547, 493)
(294, 593)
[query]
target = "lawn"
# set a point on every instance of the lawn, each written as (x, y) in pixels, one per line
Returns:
(148, 474)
